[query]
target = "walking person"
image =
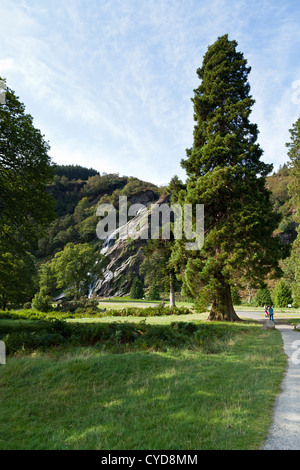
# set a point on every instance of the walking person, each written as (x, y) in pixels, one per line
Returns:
(271, 311)
(266, 311)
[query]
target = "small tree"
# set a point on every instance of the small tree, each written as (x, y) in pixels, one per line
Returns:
(263, 297)
(154, 293)
(42, 301)
(137, 289)
(283, 295)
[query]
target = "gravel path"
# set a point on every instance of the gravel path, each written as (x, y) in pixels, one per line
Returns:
(284, 433)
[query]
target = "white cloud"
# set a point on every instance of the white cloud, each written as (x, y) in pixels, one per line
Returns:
(6, 65)
(110, 82)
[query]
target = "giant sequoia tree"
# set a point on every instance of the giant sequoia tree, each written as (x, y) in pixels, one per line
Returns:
(226, 174)
(294, 189)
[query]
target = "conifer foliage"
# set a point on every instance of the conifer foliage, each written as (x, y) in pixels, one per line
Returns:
(226, 174)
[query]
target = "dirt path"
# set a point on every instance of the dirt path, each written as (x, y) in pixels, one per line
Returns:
(284, 433)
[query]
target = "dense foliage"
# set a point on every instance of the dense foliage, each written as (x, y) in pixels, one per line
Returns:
(75, 172)
(263, 297)
(224, 172)
(25, 205)
(294, 188)
(283, 295)
(76, 267)
(77, 201)
(25, 169)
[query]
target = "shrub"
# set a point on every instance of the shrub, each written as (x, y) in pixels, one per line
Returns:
(137, 290)
(154, 293)
(283, 295)
(148, 311)
(41, 301)
(27, 305)
(263, 297)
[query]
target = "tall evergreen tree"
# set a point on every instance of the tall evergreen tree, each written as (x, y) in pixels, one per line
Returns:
(294, 190)
(226, 174)
(283, 295)
(137, 289)
(294, 155)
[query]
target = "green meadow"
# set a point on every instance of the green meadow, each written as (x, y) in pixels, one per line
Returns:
(156, 383)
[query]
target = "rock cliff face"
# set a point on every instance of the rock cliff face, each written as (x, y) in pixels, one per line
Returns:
(124, 250)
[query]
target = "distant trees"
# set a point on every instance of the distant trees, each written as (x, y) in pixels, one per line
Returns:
(137, 289)
(294, 155)
(77, 201)
(226, 174)
(75, 172)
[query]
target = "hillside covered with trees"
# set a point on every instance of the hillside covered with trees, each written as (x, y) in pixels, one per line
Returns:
(49, 243)
(78, 199)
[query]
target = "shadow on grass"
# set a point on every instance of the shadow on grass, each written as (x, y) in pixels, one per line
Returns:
(177, 399)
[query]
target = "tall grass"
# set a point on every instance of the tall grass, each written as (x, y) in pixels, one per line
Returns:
(216, 396)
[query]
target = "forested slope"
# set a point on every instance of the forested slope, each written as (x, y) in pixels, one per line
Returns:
(78, 191)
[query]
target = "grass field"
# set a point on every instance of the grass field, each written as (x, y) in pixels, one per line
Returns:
(219, 397)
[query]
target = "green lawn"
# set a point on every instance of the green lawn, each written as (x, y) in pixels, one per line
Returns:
(190, 398)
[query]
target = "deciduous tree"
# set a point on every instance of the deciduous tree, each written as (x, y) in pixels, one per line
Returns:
(25, 170)
(76, 267)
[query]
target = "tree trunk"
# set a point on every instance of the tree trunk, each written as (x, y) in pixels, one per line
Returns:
(250, 291)
(4, 302)
(172, 293)
(222, 307)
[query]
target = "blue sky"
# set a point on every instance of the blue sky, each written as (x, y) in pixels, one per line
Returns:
(109, 82)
